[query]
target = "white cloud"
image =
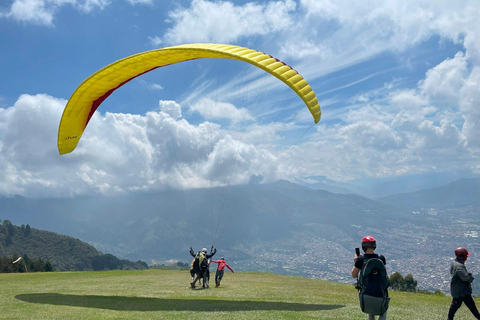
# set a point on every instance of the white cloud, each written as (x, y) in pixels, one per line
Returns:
(389, 131)
(406, 132)
(42, 12)
(120, 152)
(225, 22)
(155, 41)
(134, 2)
(470, 107)
(171, 108)
(371, 135)
(214, 110)
(156, 86)
(442, 83)
(87, 5)
(331, 35)
(33, 11)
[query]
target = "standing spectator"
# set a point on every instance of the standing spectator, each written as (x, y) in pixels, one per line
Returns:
(372, 280)
(461, 285)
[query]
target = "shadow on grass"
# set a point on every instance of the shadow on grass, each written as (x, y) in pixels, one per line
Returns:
(165, 304)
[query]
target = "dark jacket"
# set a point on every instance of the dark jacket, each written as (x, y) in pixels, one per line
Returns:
(204, 265)
(461, 283)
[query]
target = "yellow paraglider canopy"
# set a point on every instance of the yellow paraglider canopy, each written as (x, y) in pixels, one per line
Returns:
(96, 88)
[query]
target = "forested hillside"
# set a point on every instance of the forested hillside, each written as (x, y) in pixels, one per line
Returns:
(61, 252)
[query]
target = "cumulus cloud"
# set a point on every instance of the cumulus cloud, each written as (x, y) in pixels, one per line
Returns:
(470, 107)
(120, 152)
(407, 131)
(225, 22)
(442, 83)
(214, 110)
(171, 108)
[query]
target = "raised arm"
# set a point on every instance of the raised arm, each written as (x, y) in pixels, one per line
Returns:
(212, 253)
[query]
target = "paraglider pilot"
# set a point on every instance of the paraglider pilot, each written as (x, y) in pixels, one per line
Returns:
(200, 265)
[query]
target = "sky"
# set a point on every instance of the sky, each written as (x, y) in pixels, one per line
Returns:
(398, 83)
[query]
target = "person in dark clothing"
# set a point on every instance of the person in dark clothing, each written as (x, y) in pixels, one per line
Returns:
(192, 270)
(369, 244)
(200, 265)
(461, 285)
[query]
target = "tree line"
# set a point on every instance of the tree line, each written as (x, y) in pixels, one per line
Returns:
(407, 284)
(25, 264)
(48, 251)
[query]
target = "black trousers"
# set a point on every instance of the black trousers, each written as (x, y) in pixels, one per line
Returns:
(457, 302)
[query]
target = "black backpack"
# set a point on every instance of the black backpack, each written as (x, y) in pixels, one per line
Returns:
(372, 286)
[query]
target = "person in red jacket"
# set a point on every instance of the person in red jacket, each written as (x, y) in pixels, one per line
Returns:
(220, 270)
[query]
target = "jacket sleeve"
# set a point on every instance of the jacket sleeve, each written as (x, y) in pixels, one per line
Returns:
(192, 253)
(461, 272)
(212, 253)
(226, 264)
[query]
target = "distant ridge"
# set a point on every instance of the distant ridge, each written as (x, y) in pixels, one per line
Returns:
(459, 194)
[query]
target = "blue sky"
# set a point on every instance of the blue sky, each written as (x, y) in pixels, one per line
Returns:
(398, 83)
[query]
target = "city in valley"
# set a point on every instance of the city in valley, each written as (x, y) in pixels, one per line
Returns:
(424, 249)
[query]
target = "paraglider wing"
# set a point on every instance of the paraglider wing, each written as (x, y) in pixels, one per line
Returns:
(96, 88)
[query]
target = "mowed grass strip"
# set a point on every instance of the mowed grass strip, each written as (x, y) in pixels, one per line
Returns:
(164, 294)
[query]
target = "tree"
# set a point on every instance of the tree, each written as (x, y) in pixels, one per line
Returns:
(27, 231)
(400, 283)
(105, 262)
(48, 266)
(142, 263)
(410, 283)
(10, 231)
(397, 282)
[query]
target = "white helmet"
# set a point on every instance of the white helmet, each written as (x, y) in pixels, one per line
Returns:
(204, 250)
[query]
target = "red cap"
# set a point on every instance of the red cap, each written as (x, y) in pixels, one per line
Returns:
(461, 252)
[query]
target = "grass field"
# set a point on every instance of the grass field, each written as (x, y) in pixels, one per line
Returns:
(164, 294)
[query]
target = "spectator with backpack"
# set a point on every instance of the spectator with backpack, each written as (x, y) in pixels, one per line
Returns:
(200, 265)
(372, 282)
(461, 285)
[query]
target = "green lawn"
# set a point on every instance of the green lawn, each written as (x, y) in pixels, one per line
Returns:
(163, 294)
